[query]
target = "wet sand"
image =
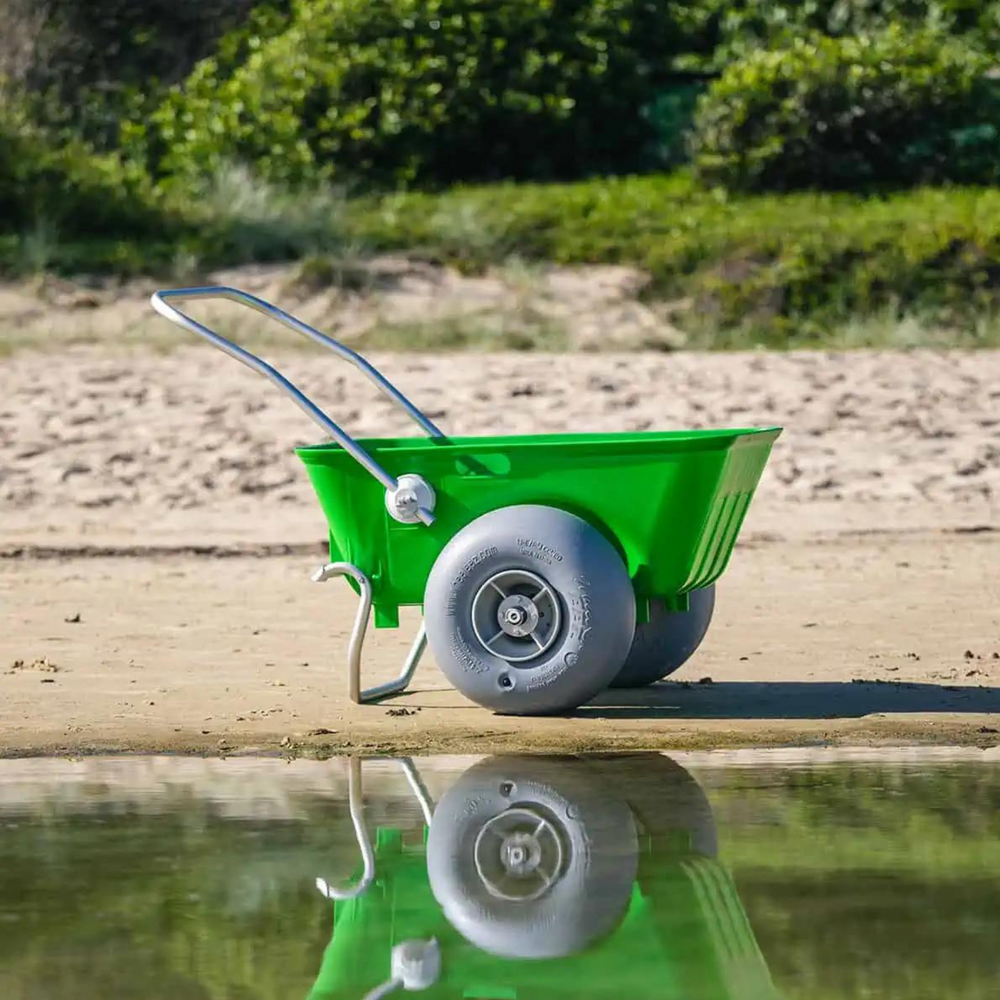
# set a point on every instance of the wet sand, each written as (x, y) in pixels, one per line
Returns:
(855, 638)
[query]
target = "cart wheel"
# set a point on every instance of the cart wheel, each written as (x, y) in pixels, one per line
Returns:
(529, 610)
(530, 857)
(667, 641)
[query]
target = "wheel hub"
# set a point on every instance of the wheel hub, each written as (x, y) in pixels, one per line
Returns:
(519, 854)
(516, 615)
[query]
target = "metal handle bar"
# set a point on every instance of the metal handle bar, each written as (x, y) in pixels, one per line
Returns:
(162, 304)
(355, 805)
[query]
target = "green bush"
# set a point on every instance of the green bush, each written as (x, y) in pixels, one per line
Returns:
(66, 190)
(886, 109)
(390, 92)
(723, 30)
(85, 66)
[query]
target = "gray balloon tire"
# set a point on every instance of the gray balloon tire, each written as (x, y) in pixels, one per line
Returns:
(594, 590)
(592, 894)
(667, 641)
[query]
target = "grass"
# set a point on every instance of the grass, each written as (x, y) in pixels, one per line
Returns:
(780, 270)
(915, 268)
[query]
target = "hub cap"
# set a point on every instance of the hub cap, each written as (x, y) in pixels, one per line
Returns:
(516, 615)
(519, 854)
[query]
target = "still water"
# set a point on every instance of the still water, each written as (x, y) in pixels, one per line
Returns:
(697, 878)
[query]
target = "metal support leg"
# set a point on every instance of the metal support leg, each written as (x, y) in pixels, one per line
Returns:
(357, 695)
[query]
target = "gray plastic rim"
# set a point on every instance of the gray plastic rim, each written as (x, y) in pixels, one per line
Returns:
(667, 641)
(590, 892)
(584, 571)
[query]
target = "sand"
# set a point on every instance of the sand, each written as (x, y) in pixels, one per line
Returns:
(156, 497)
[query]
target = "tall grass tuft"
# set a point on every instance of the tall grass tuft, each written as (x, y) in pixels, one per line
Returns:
(255, 220)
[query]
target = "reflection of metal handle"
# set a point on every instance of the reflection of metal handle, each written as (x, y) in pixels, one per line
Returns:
(355, 804)
(161, 303)
(356, 807)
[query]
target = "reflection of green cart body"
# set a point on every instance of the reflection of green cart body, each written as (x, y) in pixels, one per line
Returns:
(684, 936)
(534, 558)
(672, 503)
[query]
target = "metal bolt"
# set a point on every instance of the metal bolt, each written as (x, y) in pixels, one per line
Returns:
(405, 500)
(515, 616)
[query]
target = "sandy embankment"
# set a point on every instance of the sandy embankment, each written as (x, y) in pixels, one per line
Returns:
(156, 497)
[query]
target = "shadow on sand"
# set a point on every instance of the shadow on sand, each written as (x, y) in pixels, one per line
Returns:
(787, 700)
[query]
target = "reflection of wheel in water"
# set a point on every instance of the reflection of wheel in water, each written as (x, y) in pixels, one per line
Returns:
(667, 802)
(530, 857)
(529, 610)
(667, 641)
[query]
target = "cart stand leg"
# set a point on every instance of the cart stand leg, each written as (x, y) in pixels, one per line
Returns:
(354, 649)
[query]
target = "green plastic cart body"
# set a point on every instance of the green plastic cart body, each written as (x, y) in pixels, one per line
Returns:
(671, 502)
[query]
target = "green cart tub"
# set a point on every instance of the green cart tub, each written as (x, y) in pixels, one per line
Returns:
(548, 566)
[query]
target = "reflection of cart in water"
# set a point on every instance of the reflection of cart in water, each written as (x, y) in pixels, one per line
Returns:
(546, 877)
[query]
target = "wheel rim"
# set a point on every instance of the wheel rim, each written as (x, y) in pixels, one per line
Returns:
(519, 855)
(516, 615)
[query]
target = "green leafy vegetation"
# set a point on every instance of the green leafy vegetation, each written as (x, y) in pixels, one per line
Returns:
(732, 29)
(69, 188)
(778, 270)
(694, 140)
(888, 109)
(390, 92)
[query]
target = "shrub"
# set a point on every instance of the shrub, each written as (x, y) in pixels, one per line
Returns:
(65, 188)
(86, 65)
(890, 108)
(389, 92)
(719, 31)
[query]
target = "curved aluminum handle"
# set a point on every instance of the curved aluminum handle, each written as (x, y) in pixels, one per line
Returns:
(162, 303)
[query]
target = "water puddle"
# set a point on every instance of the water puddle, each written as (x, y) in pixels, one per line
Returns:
(700, 877)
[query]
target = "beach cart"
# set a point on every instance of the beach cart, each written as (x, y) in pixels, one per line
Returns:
(548, 566)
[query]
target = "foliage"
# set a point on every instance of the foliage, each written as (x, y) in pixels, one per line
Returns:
(720, 31)
(87, 66)
(883, 109)
(235, 216)
(389, 92)
(782, 270)
(66, 188)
